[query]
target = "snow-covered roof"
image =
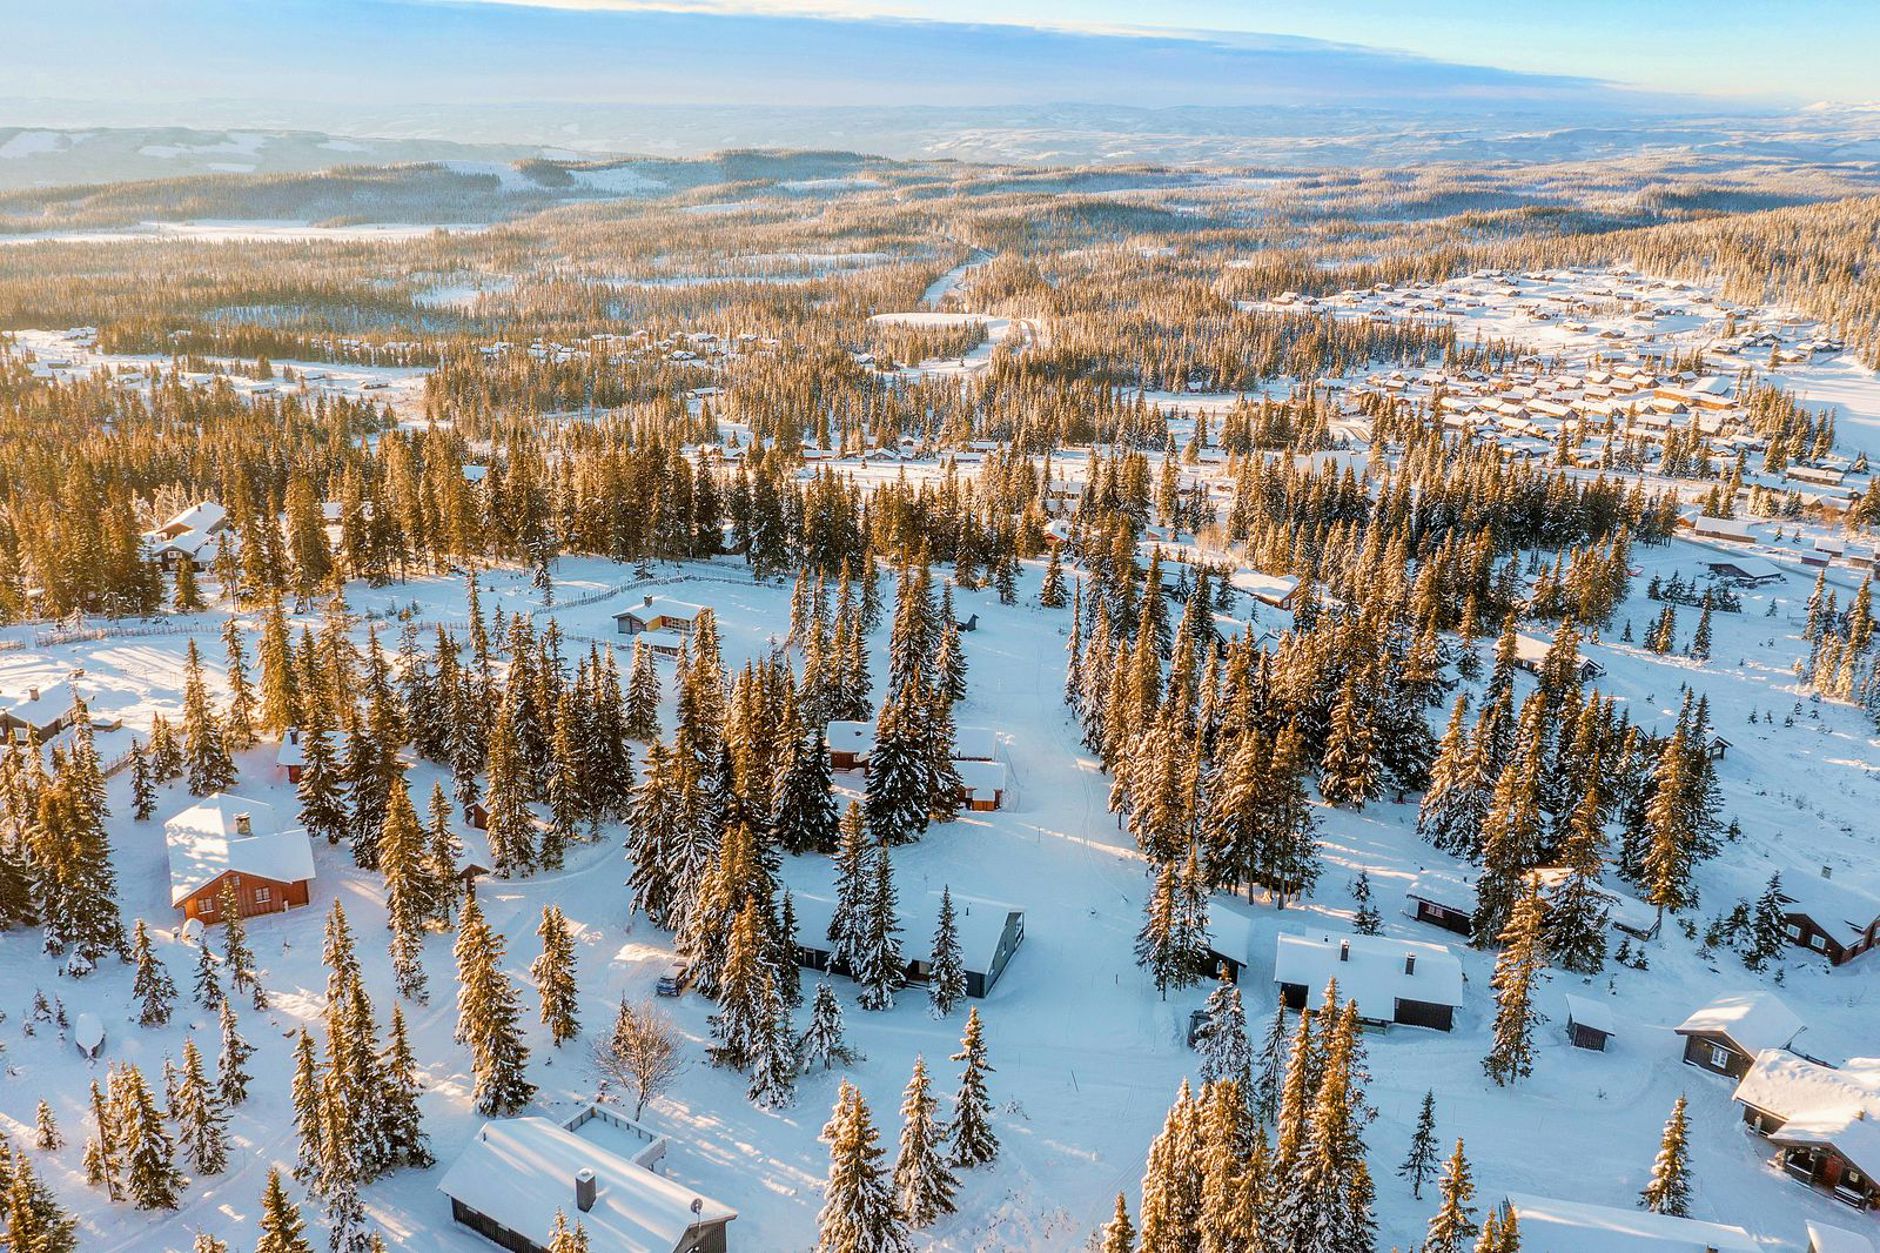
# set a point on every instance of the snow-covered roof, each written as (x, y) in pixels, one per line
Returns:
(1590, 1012)
(982, 778)
(1438, 886)
(206, 841)
(656, 607)
(1748, 567)
(291, 752)
(1549, 1226)
(980, 924)
(1623, 910)
(519, 1171)
(1753, 1020)
(203, 516)
(850, 737)
(1372, 970)
(975, 743)
(1825, 1239)
(1813, 1097)
(41, 706)
(1830, 902)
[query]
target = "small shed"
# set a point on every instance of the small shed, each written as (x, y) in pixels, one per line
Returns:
(984, 783)
(850, 743)
(1442, 898)
(1589, 1023)
(290, 756)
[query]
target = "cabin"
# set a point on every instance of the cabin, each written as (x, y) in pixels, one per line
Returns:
(1626, 913)
(598, 1168)
(1589, 1023)
(1443, 899)
(1823, 1120)
(1725, 1036)
(975, 744)
(849, 744)
(989, 931)
(40, 714)
(191, 537)
(1837, 920)
(1393, 982)
(1530, 654)
(228, 837)
(291, 757)
(1825, 1239)
(1745, 571)
(983, 784)
(1738, 530)
(1550, 1226)
(1278, 591)
(660, 622)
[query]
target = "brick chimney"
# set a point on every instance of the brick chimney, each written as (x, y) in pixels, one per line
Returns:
(584, 1187)
(244, 825)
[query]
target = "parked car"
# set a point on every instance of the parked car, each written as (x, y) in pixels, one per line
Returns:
(673, 982)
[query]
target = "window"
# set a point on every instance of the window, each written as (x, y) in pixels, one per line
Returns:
(1719, 1057)
(264, 896)
(207, 905)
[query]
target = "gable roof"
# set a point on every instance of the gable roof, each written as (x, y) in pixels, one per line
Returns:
(980, 924)
(205, 842)
(1753, 1021)
(661, 607)
(519, 1171)
(1550, 1226)
(1819, 1104)
(1373, 972)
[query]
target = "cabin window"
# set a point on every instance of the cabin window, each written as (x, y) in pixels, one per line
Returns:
(207, 905)
(1795, 933)
(1719, 1057)
(264, 896)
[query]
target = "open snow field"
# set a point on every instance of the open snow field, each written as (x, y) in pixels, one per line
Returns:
(1087, 1056)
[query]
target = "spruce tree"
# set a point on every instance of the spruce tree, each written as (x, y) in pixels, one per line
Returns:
(46, 1137)
(1419, 1165)
(206, 755)
(151, 1178)
(1119, 1234)
(1272, 1068)
(924, 1182)
(404, 1127)
(143, 784)
(231, 1070)
(320, 791)
(35, 1222)
(487, 1017)
(1051, 594)
(878, 965)
(806, 816)
(1511, 1052)
(822, 1040)
(969, 1131)
(773, 1063)
(852, 890)
(553, 973)
(282, 1229)
(565, 1239)
(410, 889)
(1454, 1220)
(104, 1158)
(946, 985)
(859, 1214)
(1225, 1050)
(236, 955)
(201, 1120)
(1669, 1191)
(153, 988)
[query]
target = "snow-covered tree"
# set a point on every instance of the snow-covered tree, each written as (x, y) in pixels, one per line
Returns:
(859, 1214)
(969, 1131)
(946, 983)
(924, 1182)
(1669, 1191)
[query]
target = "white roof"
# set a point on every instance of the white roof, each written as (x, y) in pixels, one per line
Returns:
(1825, 1239)
(1590, 1012)
(1819, 1104)
(1623, 910)
(1442, 887)
(205, 843)
(979, 923)
(1830, 902)
(661, 607)
(975, 742)
(1754, 1020)
(1373, 975)
(519, 1171)
(982, 778)
(198, 517)
(1735, 528)
(1549, 1226)
(1751, 567)
(291, 752)
(55, 700)
(850, 737)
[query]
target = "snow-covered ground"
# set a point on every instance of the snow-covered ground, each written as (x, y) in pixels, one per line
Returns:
(263, 231)
(1087, 1056)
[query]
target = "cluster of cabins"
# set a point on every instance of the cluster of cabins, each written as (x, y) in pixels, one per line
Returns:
(983, 777)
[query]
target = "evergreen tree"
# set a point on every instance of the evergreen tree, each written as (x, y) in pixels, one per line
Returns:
(404, 1126)
(282, 1229)
(898, 785)
(1350, 773)
(553, 973)
(946, 984)
(321, 794)
(1768, 926)
(1669, 1191)
(201, 1120)
(1119, 1235)
(236, 955)
(924, 1183)
(46, 1137)
(1266, 1082)
(1454, 1220)
(206, 755)
(151, 1178)
(853, 887)
(1511, 1053)
(1051, 594)
(104, 1158)
(773, 1063)
(35, 1221)
(153, 988)
(642, 701)
(878, 965)
(231, 1071)
(1366, 921)
(565, 1239)
(1225, 1050)
(487, 1017)
(969, 1131)
(1419, 1165)
(805, 807)
(410, 890)
(143, 784)
(858, 1213)
(822, 1041)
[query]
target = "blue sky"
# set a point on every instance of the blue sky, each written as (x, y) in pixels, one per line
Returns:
(1584, 55)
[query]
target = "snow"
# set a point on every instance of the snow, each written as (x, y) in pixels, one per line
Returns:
(619, 180)
(1373, 970)
(205, 842)
(223, 231)
(850, 737)
(1549, 1226)
(520, 1171)
(1825, 1239)
(1753, 1020)
(32, 144)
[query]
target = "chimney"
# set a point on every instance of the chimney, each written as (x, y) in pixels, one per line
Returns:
(1409, 963)
(646, 601)
(1344, 950)
(584, 1189)
(244, 825)
(32, 693)
(1827, 872)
